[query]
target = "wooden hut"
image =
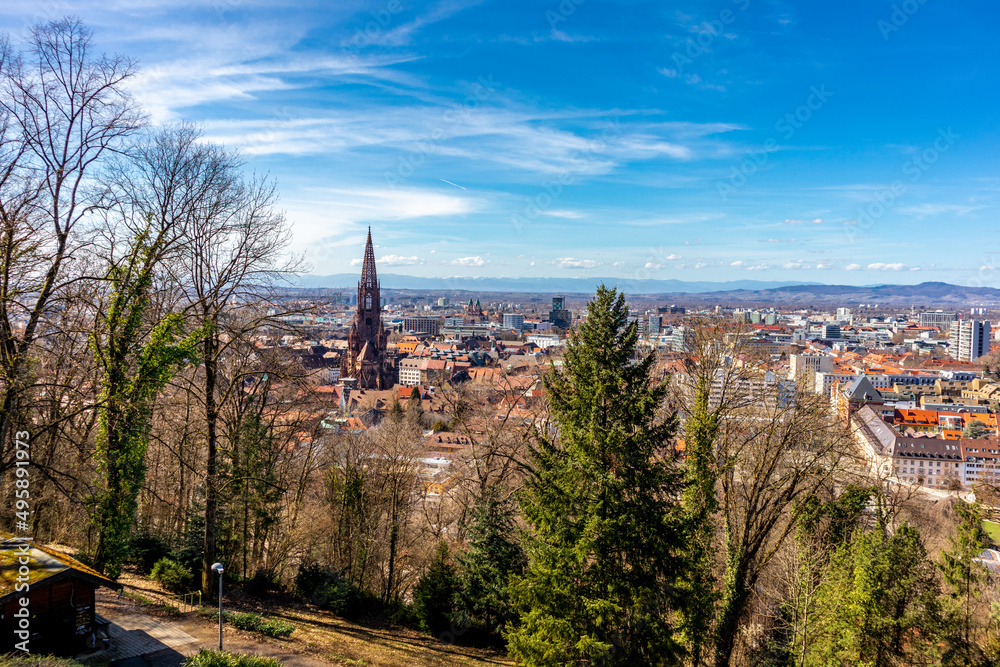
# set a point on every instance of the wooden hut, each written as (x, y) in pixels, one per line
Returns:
(46, 599)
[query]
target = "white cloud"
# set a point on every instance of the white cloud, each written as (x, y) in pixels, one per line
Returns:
(653, 265)
(673, 257)
(852, 267)
(398, 260)
(737, 264)
(797, 264)
(619, 265)
(850, 222)
(823, 265)
(882, 266)
(357, 262)
(570, 263)
(470, 261)
(758, 267)
(700, 265)
(561, 213)
(315, 213)
(799, 221)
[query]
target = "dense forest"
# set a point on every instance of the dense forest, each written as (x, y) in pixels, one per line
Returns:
(626, 517)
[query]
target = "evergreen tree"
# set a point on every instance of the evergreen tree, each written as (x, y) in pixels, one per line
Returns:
(435, 593)
(964, 577)
(493, 557)
(601, 506)
(879, 604)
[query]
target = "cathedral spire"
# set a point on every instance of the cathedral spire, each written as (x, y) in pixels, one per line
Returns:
(368, 275)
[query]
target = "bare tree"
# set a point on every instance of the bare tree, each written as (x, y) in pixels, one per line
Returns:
(234, 259)
(62, 110)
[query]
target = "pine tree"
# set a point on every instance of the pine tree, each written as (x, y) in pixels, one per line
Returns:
(601, 507)
(965, 577)
(493, 557)
(435, 593)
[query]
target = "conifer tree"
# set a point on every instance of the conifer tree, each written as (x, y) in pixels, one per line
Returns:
(493, 557)
(601, 507)
(964, 577)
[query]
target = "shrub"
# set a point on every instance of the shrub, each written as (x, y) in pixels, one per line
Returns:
(435, 593)
(439, 426)
(260, 584)
(242, 620)
(272, 627)
(172, 575)
(326, 588)
(206, 658)
(145, 550)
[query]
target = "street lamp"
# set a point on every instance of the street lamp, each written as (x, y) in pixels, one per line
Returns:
(217, 567)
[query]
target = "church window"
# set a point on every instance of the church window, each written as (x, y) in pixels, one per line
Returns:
(368, 321)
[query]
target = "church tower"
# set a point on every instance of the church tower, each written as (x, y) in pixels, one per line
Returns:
(365, 357)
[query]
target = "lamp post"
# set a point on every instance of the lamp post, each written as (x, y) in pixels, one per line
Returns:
(217, 568)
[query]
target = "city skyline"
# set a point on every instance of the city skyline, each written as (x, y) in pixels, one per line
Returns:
(758, 140)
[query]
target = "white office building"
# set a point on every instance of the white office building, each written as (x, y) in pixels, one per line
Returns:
(969, 340)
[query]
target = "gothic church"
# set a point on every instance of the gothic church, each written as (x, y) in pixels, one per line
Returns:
(365, 359)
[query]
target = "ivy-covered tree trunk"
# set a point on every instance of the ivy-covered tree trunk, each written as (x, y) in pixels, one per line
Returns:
(210, 347)
(135, 367)
(601, 506)
(700, 506)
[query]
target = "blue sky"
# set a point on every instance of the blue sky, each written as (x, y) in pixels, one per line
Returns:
(853, 142)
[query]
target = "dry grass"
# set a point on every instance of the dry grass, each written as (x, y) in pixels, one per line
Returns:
(350, 643)
(317, 632)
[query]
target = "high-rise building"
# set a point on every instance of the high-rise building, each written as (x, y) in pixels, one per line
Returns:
(513, 321)
(430, 325)
(937, 318)
(365, 358)
(559, 316)
(969, 339)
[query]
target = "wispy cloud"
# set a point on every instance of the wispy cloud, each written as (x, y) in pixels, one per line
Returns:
(570, 263)
(931, 210)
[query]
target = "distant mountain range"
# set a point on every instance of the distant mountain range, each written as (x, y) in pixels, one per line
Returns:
(924, 294)
(543, 285)
(735, 292)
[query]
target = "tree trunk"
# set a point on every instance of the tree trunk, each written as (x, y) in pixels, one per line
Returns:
(212, 473)
(735, 596)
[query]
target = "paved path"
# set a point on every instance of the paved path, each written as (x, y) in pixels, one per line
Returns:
(141, 640)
